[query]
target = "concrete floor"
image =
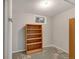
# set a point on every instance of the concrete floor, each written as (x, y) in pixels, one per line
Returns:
(47, 53)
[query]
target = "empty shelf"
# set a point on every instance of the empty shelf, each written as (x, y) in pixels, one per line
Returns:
(34, 43)
(34, 34)
(33, 29)
(34, 38)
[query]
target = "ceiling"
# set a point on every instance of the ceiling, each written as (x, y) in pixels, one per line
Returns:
(31, 6)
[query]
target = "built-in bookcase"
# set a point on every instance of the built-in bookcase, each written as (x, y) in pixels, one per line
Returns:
(33, 38)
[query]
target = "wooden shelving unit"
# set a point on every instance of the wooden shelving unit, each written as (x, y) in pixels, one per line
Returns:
(33, 38)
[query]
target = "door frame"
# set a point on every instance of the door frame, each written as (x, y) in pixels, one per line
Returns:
(72, 38)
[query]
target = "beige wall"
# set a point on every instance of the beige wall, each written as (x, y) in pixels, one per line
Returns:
(19, 21)
(55, 31)
(60, 29)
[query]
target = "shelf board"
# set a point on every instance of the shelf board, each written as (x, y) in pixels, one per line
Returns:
(34, 38)
(34, 43)
(33, 51)
(34, 29)
(34, 34)
(34, 24)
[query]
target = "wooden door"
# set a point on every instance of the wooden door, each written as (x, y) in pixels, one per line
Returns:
(72, 38)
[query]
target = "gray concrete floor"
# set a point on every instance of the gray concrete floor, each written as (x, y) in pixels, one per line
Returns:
(47, 53)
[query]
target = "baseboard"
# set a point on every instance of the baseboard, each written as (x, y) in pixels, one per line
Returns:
(17, 51)
(60, 48)
(24, 50)
(47, 46)
(44, 47)
(56, 47)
